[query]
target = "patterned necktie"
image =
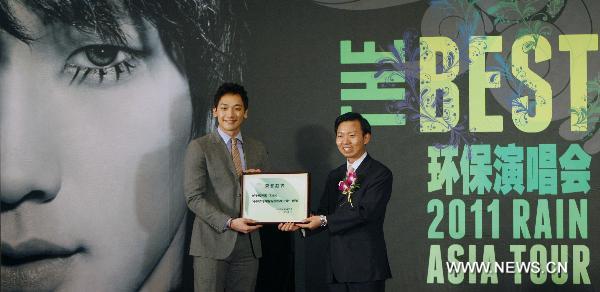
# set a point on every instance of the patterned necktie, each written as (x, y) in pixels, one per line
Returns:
(235, 155)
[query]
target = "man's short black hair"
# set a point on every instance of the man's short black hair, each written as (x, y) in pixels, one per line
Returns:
(231, 88)
(351, 116)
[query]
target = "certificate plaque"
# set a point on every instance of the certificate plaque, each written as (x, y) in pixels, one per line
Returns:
(275, 197)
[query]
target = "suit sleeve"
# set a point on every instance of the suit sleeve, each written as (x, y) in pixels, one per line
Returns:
(195, 187)
(371, 205)
(323, 206)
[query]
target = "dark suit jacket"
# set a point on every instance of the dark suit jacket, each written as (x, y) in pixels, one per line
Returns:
(213, 193)
(357, 248)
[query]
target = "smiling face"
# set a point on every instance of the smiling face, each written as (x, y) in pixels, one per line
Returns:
(93, 139)
(351, 141)
(231, 113)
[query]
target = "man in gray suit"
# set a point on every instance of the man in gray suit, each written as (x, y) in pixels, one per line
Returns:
(225, 247)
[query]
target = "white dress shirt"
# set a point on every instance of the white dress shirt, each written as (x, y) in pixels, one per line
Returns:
(357, 162)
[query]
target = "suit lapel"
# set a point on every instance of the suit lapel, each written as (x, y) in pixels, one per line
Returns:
(223, 152)
(361, 174)
(340, 175)
(362, 170)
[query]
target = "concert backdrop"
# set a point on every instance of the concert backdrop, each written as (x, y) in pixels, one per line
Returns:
(487, 113)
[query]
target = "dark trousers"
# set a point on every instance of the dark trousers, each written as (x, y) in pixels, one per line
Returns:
(374, 286)
(236, 273)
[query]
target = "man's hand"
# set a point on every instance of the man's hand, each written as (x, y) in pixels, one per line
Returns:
(289, 226)
(252, 170)
(312, 223)
(244, 225)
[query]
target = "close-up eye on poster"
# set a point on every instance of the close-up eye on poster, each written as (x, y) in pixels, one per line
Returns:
(299, 146)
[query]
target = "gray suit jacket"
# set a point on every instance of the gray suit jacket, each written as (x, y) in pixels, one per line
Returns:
(213, 193)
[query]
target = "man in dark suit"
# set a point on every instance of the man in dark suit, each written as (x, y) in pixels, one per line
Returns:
(225, 247)
(352, 209)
